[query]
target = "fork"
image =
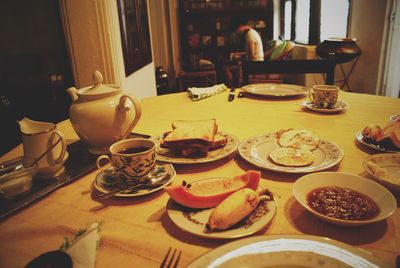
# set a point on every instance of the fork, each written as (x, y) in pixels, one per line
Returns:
(171, 261)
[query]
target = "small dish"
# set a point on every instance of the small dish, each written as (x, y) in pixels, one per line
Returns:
(385, 169)
(17, 182)
(105, 182)
(194, 220)
(360, 139)
(380, 195)
(394, 117)
(340, 106)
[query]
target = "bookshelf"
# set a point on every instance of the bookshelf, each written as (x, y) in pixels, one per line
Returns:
(206, 30)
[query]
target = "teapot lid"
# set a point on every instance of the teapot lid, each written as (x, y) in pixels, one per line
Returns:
(98, 88)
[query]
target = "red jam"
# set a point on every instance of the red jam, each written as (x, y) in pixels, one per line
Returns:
(342, 203)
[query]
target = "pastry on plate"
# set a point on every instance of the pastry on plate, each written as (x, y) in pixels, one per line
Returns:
(298, 139)
(291, 157)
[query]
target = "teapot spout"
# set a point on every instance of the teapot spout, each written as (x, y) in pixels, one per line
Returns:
(72, 93)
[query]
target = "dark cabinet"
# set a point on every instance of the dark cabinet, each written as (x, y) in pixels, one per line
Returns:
(207, 32)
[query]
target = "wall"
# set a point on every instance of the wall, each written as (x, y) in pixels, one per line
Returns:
(366, 24)
(92, 28)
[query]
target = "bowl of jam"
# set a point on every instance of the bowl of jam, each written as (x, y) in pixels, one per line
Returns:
(344, 198)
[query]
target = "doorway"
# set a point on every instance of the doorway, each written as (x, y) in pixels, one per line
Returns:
(35, 70)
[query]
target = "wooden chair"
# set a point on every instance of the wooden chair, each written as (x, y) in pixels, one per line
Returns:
(326, 66)
(197, 79)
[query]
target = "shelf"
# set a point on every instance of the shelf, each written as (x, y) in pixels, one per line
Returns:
(207, 33)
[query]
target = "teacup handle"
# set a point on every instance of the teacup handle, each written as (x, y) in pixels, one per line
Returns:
(311, 95)
(98, 164)
(124, 107)
(64, 146)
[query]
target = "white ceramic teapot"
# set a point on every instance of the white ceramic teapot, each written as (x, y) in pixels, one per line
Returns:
(102, 114)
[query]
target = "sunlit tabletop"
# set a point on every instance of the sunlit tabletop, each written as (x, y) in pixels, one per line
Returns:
(137, 231)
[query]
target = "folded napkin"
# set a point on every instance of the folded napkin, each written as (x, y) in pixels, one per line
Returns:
(82, 248)
(199, 93)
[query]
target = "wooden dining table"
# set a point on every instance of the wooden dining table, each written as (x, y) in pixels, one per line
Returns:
(136, 231)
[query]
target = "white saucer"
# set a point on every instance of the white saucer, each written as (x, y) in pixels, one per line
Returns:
(105, 182)
(339, 107)
(54, 171)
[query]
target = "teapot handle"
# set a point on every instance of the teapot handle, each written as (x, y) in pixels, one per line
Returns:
(138, 111)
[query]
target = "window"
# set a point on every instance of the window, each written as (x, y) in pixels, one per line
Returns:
(134, 34)
(312, 21)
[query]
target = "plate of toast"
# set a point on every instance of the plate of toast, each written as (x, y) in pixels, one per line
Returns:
(194, 141)
(291, 151)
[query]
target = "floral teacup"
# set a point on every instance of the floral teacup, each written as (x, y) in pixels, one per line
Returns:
(324, 96)
(130, 158)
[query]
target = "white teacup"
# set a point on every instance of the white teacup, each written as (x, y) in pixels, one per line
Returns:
(131, 158)
(324, 96)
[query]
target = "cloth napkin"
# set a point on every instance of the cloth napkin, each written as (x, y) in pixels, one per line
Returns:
(83, 248)
(199, 93)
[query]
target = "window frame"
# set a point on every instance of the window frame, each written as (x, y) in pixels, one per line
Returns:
(135, 57)
(314, 33)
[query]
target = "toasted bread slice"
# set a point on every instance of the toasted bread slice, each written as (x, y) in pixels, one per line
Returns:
(220, 140)
(291, 157)
(298, 139)
(199, 131)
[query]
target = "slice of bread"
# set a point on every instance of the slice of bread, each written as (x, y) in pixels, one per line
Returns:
(184, 130)
(193, 137)
(220, 140)
(201, 131)
(298, 139)
(291, 157)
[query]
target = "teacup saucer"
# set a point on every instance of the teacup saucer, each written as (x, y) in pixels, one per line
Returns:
(339, 107)
(51, 172)
(105, 182)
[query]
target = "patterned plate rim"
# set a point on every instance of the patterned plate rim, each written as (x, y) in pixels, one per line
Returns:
(245, 153)
(227, 234)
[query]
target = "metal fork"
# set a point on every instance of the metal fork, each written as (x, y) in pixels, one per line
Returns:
(171, 261)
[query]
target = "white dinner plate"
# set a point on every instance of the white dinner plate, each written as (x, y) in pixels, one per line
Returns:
(360, 139)
(295, 251)
(104, 182)
(256, 150)
(380, 195)
(275, 90)
(167, 155)
(340, 106)
(386, 171)
(194, 220)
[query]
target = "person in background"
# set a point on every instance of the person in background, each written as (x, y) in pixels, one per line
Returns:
(254, 51)
(254, 46)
